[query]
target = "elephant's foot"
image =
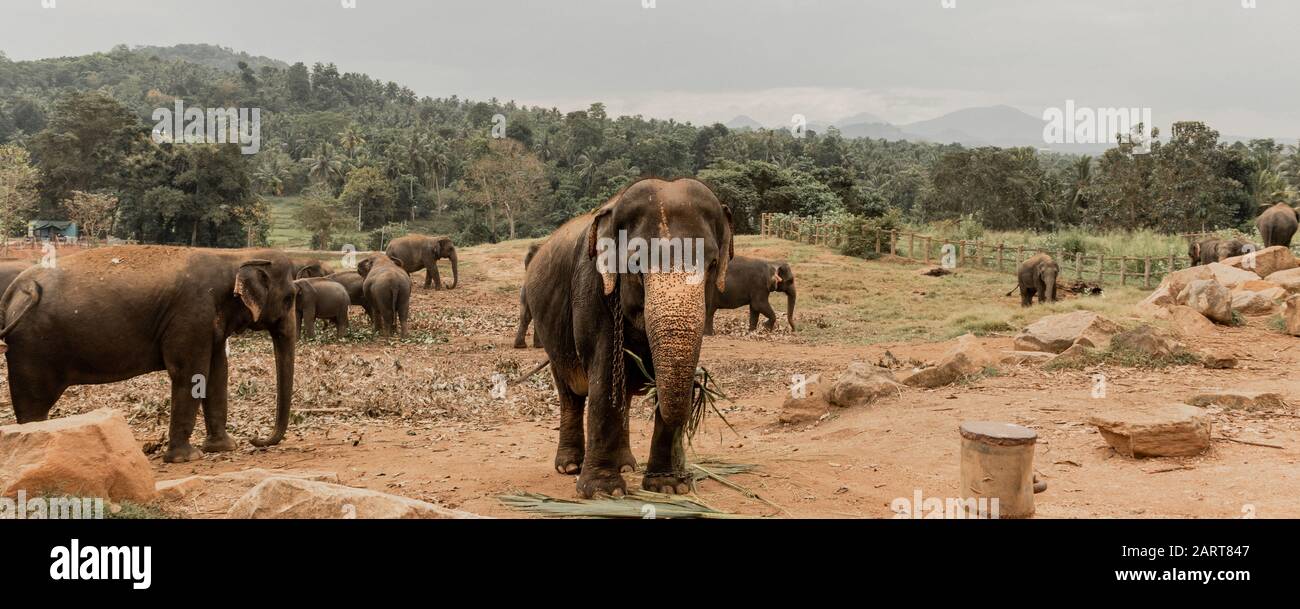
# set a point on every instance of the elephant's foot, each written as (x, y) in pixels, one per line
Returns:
(594, 481)
(668, 484)
(219, 444)
(568, 460)
(626, 461)
(182, 454)
(520, 343)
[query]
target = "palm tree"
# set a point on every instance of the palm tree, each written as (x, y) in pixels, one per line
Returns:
(352, 140)
(325, 166)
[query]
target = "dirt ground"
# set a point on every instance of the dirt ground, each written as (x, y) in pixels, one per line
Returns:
(416, 417)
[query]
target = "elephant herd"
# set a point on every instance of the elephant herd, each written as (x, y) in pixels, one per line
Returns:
(110, 314)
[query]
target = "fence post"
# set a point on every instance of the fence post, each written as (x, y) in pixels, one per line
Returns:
(1123, 270)
(877, 242)
(927, 250)
(911, 245)
(1000, 247)
(1146, 273)
(893, 242)
(1020, 255)
(1171, 265)
(1078, 266)
(1101, 269)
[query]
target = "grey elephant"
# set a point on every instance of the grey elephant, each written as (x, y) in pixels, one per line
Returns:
(1216, 250)
(749, 281)
(115, 313)
(387, 291)
(423, 252)
(321, 298)
(306, 269)
(352, 281)
(1277, 225)
(1037, 275)
(525, 317)
(591, 312)
(10, 269)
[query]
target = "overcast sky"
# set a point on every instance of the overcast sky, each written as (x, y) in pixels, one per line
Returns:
(710, 60)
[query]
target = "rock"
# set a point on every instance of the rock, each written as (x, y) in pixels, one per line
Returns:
(1157, 304)
(1265, 262)
(799, 411)
(1239, 400)
(1217, 359)
(1259, 285)
(1210, 299)
(1288, 280)
(1144, 339)
(1291, 314)
(1020, 358)
(1075, 353)
(1256, 303)
(861, 385)
(965, 359)
(1188, 322)
(295, 498)
(1170, 431)
(1056, 333)
(1177, 280)
(1230, 277)
(231, 484)
(87, 455)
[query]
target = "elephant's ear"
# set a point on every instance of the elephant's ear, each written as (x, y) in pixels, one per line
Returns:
(398, 262)
(602, 229)
(726, 249)
(363, 267)
(253, 286)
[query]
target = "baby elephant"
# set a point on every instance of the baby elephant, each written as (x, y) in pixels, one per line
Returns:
(1038, 276)
(749, 281)
(1216, 250)
(320, 298)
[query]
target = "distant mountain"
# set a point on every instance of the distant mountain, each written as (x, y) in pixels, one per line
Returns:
(743, 122)
(211, 55)
(861, 118)
(989, 126)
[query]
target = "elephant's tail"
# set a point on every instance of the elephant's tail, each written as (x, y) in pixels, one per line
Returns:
(33, 293)
(1013, 290)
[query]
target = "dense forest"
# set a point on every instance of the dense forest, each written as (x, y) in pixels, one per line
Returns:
(375, 159)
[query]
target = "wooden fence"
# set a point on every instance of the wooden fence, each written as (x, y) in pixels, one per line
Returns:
(1145, 271)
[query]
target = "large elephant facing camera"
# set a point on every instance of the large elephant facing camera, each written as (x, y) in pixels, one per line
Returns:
(590, 316)
(1037, 275)
(114, 313)
(1278, 224)
(423, 252)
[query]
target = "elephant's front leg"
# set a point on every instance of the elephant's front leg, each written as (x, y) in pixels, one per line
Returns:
(667, 472)
(431, 275)
(606, 433)
(189, 373)
(570, 452)
(216, 404)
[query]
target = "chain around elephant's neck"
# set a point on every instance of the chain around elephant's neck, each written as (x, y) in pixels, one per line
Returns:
(618, 381)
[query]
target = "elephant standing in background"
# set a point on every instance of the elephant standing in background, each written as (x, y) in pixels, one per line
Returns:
(115, 313)
(525, 317)
(10, 269)
(1215, 250)
(1037, 275)
(310, 268)
(1277, 225)
(749, 281)
(387, 289)
(352, 281)
(423, 252)
(321, 298)
(589, 314)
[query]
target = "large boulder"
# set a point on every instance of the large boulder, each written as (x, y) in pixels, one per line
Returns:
(87, 455)
(1144, 339)
(1265, 262)
(861, 384)
(1021, 358)
(1157, 305)
(1188, 322)
(230, 485)
(1171, 431)
(811, 407)
(1288, 280)
(1177, 280)
(965, 359)
(1291, 314)
(1257, 303)
(1209, 298)
(1239, 400)
(1056, 333)
(1229, 276)
(295, 498)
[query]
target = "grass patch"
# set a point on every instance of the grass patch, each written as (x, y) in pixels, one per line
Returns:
(129, 510)
(1124, 358)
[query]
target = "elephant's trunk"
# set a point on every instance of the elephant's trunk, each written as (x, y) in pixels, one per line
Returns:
(1049, 287)
(455, 269)
(789, 306)
(284, 338)
(674, 321)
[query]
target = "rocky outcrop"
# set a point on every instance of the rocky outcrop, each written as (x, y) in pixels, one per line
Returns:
(862, 384)
(1145, 340)
(1187, 322)
(811, 407)
(966, 358)
(1265, 262)
(1240, 400)
(307, 499)
(1209, 298)
(87, 455)
(1056, 333)
(1178, 430)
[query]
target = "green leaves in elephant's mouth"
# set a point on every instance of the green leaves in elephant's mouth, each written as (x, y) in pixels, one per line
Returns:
(704, 396)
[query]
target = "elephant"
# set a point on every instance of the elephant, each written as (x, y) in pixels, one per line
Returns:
(10, 269)
(114, 313)
(310, 268)
(352, 281)
(749, 281)
(525, 317)
(321, 298)
(422, 252)
(1203, 252)
(591, 311)
(1037, 275)
(1278, 224)
(386, 287)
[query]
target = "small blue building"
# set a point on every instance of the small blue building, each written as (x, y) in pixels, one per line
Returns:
(45, 230)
